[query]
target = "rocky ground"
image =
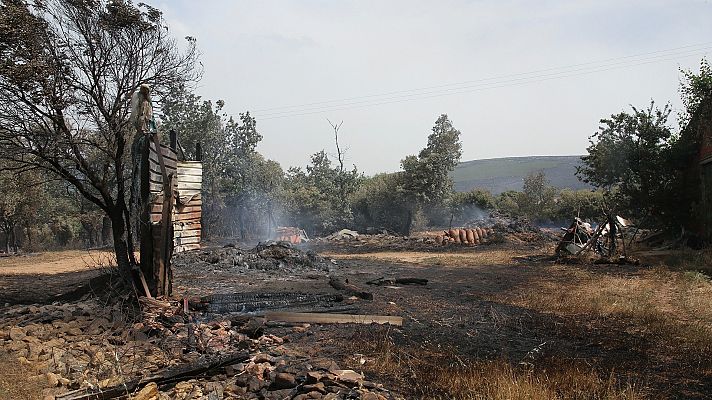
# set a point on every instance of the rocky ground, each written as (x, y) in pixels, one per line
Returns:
(88, 347)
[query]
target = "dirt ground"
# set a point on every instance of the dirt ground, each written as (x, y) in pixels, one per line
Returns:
(42, 277)
(498, 321)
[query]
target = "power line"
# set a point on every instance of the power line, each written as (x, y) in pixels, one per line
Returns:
(489, 83)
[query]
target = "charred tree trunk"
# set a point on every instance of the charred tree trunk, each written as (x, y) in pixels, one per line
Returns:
(7, 243)
(121, 247)
(14, 238)
(106, 231)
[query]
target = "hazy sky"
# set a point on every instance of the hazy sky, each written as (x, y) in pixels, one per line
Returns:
(516, 78)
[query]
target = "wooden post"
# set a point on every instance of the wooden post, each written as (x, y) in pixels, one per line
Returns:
(165, 242)
(144, 224)
(173, 138)
(198, 152)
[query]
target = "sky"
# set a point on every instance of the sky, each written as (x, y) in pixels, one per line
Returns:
(517, 78)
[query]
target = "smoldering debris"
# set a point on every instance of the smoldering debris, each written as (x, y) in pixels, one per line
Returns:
(270, 256)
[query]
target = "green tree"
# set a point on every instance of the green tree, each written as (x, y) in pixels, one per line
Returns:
(425, 178)
(380, 203)
(314, 196)
(630, 158)
(536, 201)
(464, 206)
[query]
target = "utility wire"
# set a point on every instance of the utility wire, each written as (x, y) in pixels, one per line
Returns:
(704, 44)
(337, 108)
(489, 83)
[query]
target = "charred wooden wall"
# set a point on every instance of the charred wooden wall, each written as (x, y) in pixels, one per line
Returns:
(186, 213)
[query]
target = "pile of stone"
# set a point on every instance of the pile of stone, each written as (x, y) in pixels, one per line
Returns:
(82, 348)
(270, 256)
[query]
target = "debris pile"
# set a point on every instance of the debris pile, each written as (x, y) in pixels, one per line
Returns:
(356, 242)
(290, 234)
(86, 350)
(269, 256)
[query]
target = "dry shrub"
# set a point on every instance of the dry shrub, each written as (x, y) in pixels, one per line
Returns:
(499, 380)
(426, 371)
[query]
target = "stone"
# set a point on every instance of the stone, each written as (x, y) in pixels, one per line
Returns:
(279, 394)
(316, 387)
(232, 389)
(371, 396)
(314, 376)
(17, 333)
(52, 379)
(348, 377)
(264, 358)
(234, 369)
(110, 382)
(149, 392)
(214, 388)
(284, 380)
(254, 384)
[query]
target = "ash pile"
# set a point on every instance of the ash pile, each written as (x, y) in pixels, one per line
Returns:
(268, 256)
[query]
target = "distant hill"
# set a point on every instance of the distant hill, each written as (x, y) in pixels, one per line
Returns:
(501, 174)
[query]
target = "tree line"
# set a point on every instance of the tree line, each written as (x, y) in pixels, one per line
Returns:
(68, 69)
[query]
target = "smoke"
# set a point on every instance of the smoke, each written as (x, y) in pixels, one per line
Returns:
(469, 215)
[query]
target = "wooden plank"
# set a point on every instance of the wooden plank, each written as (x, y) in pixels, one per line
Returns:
(319, 318)
(187, 247)
(189, 185)
(155, 187)
(192, 193)
(156, 207)
(187, 240)
(191, 227)
(165, 150)
(156, 176)
(191, 164)
(187, 233)
(187, 216)
(170, 164)
(190, 169)
(189, 178)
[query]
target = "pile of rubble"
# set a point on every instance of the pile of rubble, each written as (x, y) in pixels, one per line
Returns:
(492, 229)
(87, 350)
(269, 256)
(356, 242)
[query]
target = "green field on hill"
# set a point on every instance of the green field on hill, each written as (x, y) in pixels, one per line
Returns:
(501, 174)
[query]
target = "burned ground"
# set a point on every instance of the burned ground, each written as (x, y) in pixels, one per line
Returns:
(498, 321)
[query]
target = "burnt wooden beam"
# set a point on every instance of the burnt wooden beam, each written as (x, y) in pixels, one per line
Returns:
(346, 287)
(169, 376)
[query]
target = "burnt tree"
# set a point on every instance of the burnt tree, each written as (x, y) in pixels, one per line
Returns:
(67, 71)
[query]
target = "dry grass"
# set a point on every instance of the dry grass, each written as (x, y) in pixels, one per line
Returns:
(432, 373)
(476, 257)
(666, 305)
(14, 382)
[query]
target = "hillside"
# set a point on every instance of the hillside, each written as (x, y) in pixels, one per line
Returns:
(501, 174)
